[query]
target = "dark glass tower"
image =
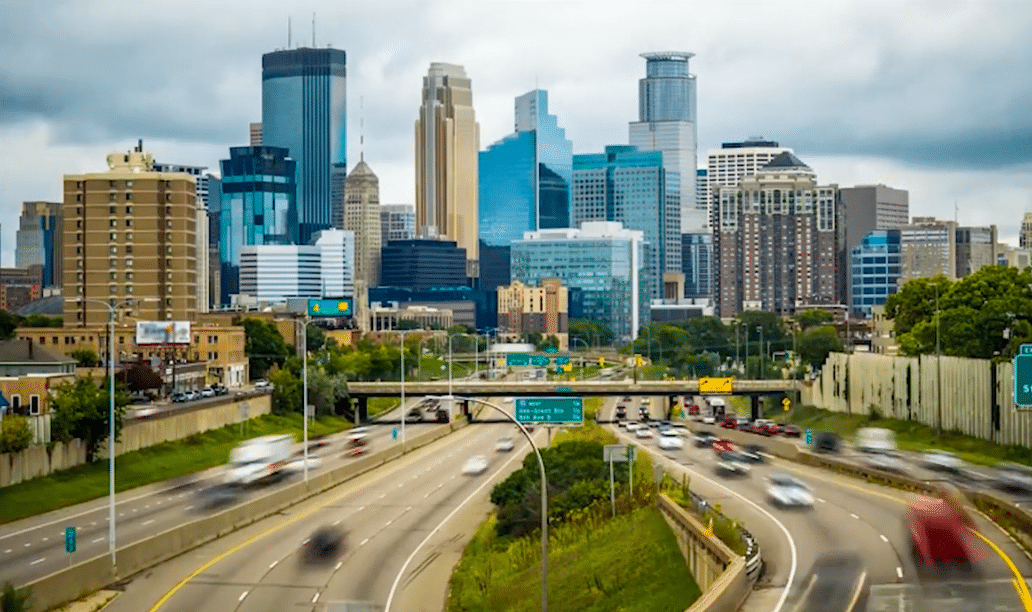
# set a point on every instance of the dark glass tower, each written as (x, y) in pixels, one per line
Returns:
(304, 110)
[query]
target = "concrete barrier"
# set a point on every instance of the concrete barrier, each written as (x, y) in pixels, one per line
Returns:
(720, 573)
(1016, 521)
(69, 584)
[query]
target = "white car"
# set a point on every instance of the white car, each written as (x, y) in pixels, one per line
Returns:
(504, 445)
(477, 464)
(942, 460)
(888, 462)
(643, 432)
(670, 442)
(732, 464)
(709, 420)
(787, 492)
(621, 423)
(632, 425)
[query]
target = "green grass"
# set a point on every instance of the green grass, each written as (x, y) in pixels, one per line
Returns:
(725, 528)
(148, 465)
(910, 435)
(591, 407)
(630, 562)
(433, 367)
(378, 405)
(653, 371)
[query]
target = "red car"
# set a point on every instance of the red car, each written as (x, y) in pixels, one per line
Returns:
(790, 431)
(729, 422)
(765, 429)
(939, 532)
(723, 445)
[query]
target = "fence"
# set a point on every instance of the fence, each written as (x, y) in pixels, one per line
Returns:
(972, 396)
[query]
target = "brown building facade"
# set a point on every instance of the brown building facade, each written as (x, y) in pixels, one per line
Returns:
(524, 309)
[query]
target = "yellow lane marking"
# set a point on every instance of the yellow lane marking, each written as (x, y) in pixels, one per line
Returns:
(295, 518)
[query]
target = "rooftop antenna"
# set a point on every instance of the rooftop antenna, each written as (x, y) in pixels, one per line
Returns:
(288, 32)
(955, 212)
(361, 128)
(313, 30)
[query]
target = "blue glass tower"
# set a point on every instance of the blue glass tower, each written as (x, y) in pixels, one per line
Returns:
(257, 207)
(304, 111)
(876, 265)
(627, 185)
(525, 177)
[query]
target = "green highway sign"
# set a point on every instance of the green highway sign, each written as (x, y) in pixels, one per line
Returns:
(550, 410)
(809, 437)
(551, 349)
(560, 360)
(329, 308)
(517, 359)
(539, 360)
(69, 540)
(1023, 377)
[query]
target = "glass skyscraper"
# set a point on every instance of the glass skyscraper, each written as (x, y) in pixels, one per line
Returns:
(257, 207)
(627, 185)
(667, 123)
(304, 111)
(876, 269)
(525, 177)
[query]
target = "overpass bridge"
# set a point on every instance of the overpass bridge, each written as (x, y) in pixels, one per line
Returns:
(360, 392)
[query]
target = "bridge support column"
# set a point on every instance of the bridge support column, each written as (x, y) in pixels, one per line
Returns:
(362, 410)
(464, 407)
(671, 407)
(754, 407)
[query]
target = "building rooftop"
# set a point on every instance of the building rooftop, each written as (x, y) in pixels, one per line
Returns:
(52, 306)
(24, 350)
(785, 159)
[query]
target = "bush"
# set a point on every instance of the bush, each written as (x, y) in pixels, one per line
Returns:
(15, 434)
(14, 600)
(875, 414)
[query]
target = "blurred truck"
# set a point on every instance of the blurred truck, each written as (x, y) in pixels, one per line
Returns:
(875, 440)
(259, 459)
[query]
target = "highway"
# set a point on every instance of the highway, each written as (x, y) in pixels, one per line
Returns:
(848, 515)
(34, 547)
(407, 523)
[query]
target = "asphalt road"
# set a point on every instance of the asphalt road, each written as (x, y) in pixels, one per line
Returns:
(34, 547)
(406, 524)
(848, 515)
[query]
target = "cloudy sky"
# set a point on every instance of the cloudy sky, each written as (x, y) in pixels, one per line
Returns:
(934, 97)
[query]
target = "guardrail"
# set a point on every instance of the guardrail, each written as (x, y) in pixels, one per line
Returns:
(69, 584)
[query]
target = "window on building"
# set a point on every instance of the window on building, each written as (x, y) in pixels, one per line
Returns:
(128, 210)
(111, 288)
(128, 249)
(15, 403)
(113, 275)
(113, 236)
(128, 196)
(128, 222)
(128, 235)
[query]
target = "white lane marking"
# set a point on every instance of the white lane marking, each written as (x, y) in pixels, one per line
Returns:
(94, 523)
(273, 564)
(899, 571)
(316, 598)
(145, 523)
(7, 552)
(383, 495)
(336, 522)
(27, 545)
(188, 508)
(884, 539)
(121, 514)
(853, 515)
(364, 541)
(337, 567)
(146, 507)
(820, 500)
(38, 561)
(98, 540)
(134, 509)
(427, 495)
(46, 539)
(159, 503)
(242, 596)
(389, 523)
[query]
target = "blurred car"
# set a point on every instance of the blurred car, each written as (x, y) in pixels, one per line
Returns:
(633, 425)
(743, 424)
(325, 545)
(732, 464)
(942, 461)
(178, 397)
(753, 453)
(297, 464)
(729, 422)
(838, 581)
(709, 420)
(643, 432)
(504, 445)
(939, 536)
(477, 464)
(826, 442)
(704, 439)
(790, 431)
(723, 445)
(1014, 477)
(357, 444)
(764, 427)
(785, 491)
(888, 462)
(670, 441)
(621, 423)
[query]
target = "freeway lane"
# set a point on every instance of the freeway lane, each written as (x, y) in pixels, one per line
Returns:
(34, 547)
(387, 513)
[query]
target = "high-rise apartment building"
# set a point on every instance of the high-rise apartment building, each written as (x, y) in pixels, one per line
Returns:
(697, 265)
(361, 216)
(603, 260)
(775, 241)
(1025, 237)
(525, 177)
(304, 111)
(863, 209)
(271, 273)
(628, 186)
(667, 110)
(130, 237)
(397, 222)
(928, 247)
(976, 249)
(258, 193)
(447, 146)
(38, 241)
(256, 134)
(875, 268)
(733, 161)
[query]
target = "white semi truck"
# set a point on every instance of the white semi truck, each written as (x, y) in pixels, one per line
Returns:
(258, 459)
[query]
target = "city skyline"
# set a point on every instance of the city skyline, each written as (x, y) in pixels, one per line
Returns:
(941, 116)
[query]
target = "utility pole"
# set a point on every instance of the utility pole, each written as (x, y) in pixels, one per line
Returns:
(938, 366)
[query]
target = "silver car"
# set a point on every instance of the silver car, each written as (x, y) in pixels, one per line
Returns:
(1014, 477)
(942, 461)
(787, 492)
(732, 464)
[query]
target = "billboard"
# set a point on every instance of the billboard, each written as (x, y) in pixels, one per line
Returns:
(339, 307)
(162, 332)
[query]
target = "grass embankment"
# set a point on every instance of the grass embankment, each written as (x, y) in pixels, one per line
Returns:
(591, 407)
(910, 435)
(725, 528)
(149, 465)
(436, 368)
(630, 562)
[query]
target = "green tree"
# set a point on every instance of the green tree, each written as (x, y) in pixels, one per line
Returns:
(816, 343)
(286, 391)
(547, 343)
(591, 332)
(15, 434)
(915, 302)
(700, 364)
(14, 600)
(8, 323)
(139, 377)
(406, 324)
(812, 318)
(316, 338)
(80, 410)
(86, 358)
(708, 334)
(36, 320)
(773, 334)
(264, 346)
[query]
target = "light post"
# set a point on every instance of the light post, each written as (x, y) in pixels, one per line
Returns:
(450, 336)
(759, 328)
(586, 348)
(304, 387)
(111, 414)
(938, 367)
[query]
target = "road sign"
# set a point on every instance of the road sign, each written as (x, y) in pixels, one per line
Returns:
(517, 359)
(786, 404)
(619, 452)
(1023, 378)
(809, 437)
(558, 369)
(329, 308)
(539, 360)
(551, 349)
(715, 385)
(564, 389)
(684, 414)
(550, 410)
(394, 433)
(601, 362)
(69, 540)
(561, 360)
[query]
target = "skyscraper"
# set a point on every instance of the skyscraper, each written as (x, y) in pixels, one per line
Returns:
(875, 270)
(667, 123)
(256, 134)
(258, 193)
(733, 161)
(304, 111)
(130, 234)
(38, 241)
(361, 215)
(863, 209)
(397, 222)
(447, 146)
(1025, 237)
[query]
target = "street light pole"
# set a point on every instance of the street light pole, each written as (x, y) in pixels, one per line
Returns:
(403, 413)
(304, 387)
(760, 329)
(938, 366)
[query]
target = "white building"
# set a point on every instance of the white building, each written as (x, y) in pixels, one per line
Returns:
(728, 165)
(397, 222)
(271, 273)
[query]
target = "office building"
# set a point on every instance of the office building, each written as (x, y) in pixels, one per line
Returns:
(422, 264)
(545, 310)
(130, 233)
(667, 111)
(525, 177)
(976, 248)
(775, 241)
(20, 286)
(447, 146)
(733, 161)
(271, 273)
(397, 222)
(1025, 236)
(627, 186)
(928, 247)
(605, 261)
(875, 269)
(1015, 258)
(304, 111)
(361, 216)
(202, 178)
(468, 306)
(494, 266)
(256, 134)
(863, 209)
(697, 264)
(258, 193)
(38, 241)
